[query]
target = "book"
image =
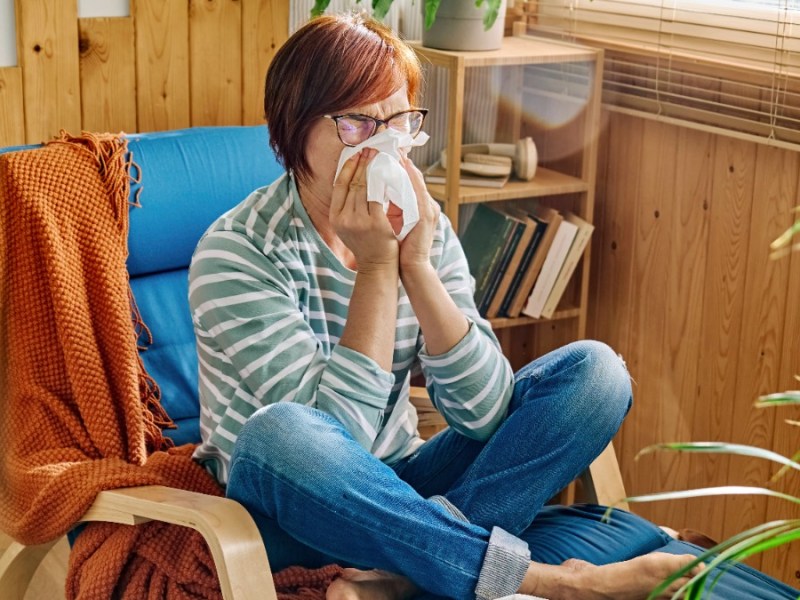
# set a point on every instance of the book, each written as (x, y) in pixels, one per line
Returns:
(541, 226)
(484, 239)
(550, 219)
(574, 255)
(436, 174)
(514, 263)
(552, 265)
(508, 252)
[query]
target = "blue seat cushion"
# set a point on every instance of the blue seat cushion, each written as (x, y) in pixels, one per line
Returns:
(171, 359)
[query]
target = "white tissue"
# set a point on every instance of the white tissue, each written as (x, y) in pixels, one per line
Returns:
(387, 180)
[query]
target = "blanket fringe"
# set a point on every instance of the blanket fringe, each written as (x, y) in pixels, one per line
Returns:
(116, 165)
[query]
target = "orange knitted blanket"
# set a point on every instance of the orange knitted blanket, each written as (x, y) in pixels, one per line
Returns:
(79, 413)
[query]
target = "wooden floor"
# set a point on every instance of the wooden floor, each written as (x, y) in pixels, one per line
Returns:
(48, 582)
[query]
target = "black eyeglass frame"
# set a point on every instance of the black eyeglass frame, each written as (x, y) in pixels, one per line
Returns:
(377, 122)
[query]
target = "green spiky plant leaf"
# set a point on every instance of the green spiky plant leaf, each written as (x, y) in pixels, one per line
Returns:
(319, 7)
(723, 448)
(492, 10)
(733, 550)
(779, 399)
(380, 8)
(722, 490)
(431, 8)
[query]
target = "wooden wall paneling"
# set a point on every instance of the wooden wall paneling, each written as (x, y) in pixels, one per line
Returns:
(598, 237)
(555, 334)
(162, 64)
(761, 340)
(610, 321)
(784, 562)
(522, 346)
(47, 48)
(689, 230)
(265, 27)
(655, 410)
(504, 336)
(12, 117)
(722, 314)
(215, 43)
(613, 240)
(108, 74)
(722, 268)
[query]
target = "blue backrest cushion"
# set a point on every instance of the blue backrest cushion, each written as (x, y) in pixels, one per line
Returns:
(188, 179)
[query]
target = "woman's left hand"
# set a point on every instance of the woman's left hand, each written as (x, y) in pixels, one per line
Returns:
(415, 249)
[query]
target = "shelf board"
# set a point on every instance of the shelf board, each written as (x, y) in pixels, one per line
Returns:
(516, 50)
(505, 323)
(545, 183)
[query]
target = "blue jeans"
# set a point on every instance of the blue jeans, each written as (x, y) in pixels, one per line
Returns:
(460, 518)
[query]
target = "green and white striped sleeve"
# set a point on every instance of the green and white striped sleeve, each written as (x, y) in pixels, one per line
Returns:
(472, 383)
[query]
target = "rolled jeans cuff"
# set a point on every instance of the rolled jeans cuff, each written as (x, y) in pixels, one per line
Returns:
(504, 566)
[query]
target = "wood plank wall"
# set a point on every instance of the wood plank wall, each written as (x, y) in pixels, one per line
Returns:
(171, 64)
(683, 288)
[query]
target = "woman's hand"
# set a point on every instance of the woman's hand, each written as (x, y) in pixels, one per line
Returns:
(362, 225)
(415, 249)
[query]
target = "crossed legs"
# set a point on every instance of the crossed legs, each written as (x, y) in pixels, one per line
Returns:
(452, 517)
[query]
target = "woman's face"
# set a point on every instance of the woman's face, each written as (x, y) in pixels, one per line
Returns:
(324, 147)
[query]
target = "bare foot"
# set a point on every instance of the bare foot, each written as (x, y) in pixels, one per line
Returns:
(355, 584)
(630, 580)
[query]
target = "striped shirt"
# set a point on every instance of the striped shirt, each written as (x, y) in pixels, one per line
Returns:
(269, 303)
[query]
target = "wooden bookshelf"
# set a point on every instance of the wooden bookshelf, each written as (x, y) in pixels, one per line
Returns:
(563, 313)
(517, 54)
(546, 183)
(517, 50)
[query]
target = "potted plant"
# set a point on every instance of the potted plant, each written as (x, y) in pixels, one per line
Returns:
(450, 24)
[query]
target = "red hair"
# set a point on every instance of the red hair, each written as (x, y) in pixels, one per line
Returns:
(329, 64)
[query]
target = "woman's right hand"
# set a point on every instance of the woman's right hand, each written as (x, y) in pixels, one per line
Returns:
(362, 225)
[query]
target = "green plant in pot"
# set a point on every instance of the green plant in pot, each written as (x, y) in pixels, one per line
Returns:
(764, 536)
(450, 24)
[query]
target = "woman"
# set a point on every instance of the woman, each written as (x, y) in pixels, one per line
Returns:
(310, 318)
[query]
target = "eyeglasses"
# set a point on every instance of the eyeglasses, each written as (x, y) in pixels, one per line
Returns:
(353, 129)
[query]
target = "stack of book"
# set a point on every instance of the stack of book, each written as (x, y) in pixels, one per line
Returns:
(522, 260)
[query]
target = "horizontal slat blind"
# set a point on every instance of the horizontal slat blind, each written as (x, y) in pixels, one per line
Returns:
(732, 64)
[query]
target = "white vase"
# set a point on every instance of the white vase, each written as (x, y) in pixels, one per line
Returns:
(459, 26)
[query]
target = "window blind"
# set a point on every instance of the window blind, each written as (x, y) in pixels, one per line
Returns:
(729, 64)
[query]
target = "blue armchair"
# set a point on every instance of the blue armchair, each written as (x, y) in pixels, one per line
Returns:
(187, 179)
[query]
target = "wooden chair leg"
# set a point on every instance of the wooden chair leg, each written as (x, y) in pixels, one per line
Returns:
(602, 481)
(17, 566)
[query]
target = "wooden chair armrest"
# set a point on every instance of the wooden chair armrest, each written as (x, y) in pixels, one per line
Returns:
(602, 481)
(232, 536)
